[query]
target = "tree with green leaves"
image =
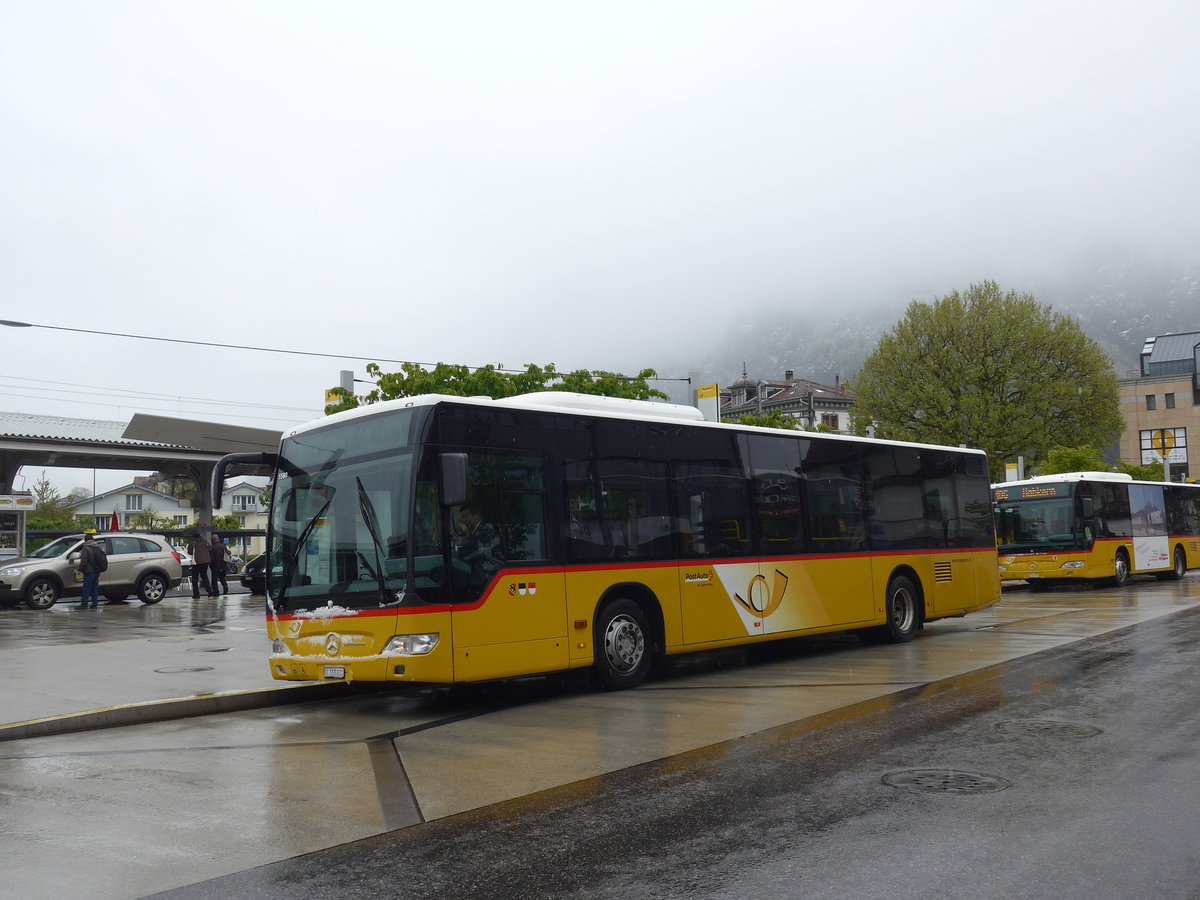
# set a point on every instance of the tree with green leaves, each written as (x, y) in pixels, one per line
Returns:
(989, 369)
(149, 520)
(1089, 459)
(491, 381)
(1073, 459)
(51, 511)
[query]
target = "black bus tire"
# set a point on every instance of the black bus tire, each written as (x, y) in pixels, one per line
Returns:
(903, 608)
(622, 646)
(1121, 568)
(1178, 566)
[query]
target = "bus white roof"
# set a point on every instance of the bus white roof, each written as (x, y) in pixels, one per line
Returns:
(591, 405)
(1070, 476)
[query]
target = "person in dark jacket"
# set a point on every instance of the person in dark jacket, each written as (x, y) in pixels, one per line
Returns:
(201, 563)
(220, 562)
(92, 561)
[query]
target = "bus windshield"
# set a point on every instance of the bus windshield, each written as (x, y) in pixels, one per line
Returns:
(1040, 525)
(340, 515)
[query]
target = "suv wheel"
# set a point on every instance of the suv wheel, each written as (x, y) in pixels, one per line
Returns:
(42, 593)
(152, 588)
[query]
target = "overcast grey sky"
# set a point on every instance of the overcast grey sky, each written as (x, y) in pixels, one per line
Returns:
(589, 184)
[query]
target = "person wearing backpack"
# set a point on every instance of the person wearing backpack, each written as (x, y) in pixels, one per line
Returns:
(92, 561)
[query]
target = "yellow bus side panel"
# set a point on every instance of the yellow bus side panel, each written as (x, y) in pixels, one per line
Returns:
(503, 660)
(732, 601)
(587, 586)
(518, 607)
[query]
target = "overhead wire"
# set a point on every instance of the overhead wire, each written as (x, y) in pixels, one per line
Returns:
(376, 359)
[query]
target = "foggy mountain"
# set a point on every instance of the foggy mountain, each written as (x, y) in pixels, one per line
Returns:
(1118, 298)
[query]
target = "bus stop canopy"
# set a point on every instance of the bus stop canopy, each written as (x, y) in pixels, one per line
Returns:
(176, 447)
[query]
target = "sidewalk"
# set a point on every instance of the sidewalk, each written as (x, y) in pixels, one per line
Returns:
(66, 669)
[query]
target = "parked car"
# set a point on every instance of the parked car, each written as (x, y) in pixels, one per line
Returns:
(137, 564)
(185, 560)
(254, 575)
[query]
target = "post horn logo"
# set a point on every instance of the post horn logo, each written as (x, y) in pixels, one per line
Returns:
(762, 602)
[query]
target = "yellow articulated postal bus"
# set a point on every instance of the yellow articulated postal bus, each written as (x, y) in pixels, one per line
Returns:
(1085, 526)
(445, 539)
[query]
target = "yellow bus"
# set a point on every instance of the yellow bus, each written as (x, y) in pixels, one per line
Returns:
(442, 539)
(1086, 526)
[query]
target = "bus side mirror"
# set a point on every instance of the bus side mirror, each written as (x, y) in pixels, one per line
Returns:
(1087, 507)
(454, 478)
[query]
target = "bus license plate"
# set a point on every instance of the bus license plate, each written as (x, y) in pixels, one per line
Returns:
(335, 671)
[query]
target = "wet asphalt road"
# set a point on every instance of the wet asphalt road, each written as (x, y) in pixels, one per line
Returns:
(1071, 773)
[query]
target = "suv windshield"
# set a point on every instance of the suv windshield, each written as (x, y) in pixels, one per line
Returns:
(56, 547)
(340, 512)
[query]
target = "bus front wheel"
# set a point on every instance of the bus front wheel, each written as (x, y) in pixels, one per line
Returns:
(622, 646)
(1121, 569)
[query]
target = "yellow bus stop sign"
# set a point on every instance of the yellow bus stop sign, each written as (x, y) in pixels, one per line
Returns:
(1163, 442)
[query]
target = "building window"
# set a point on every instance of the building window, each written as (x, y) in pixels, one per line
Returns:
(133, 501)
(241, 520)
(1170, 400)
(243, 502)
(1150, 404)
(830, 419)
(180, 520)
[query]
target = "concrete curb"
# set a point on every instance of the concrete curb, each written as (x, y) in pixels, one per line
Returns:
(182, 708)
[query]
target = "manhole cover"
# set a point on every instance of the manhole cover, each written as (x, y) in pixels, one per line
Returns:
(945, 781)
(1048, 728)
(175, 670)
(207, 649)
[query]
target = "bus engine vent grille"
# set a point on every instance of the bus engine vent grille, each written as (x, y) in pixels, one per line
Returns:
(942, 572)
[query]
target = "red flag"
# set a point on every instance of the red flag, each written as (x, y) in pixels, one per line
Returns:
(116, 522)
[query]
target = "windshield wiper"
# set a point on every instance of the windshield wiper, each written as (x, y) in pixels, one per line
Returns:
(368, 513)
(300, 542)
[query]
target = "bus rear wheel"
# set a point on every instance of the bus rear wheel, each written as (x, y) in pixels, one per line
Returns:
(622, 646)
(1121, 569)
(903, 614)
(1178, 566)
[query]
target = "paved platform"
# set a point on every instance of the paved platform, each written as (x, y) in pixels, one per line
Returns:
(68, 669)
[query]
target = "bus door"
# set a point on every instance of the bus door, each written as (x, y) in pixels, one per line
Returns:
(807, 498)
(1150, 543)
(719, 575)
(508, 606)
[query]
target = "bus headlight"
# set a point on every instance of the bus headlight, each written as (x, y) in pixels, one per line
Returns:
(1073, 564)
(410, 644)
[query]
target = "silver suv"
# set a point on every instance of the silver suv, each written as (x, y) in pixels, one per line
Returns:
(139, 564)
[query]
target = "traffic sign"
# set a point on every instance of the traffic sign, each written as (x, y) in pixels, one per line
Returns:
(1163, 442)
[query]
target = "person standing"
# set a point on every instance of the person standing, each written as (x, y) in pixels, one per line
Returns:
(201, 563)
(220, 562)
(92, 561)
